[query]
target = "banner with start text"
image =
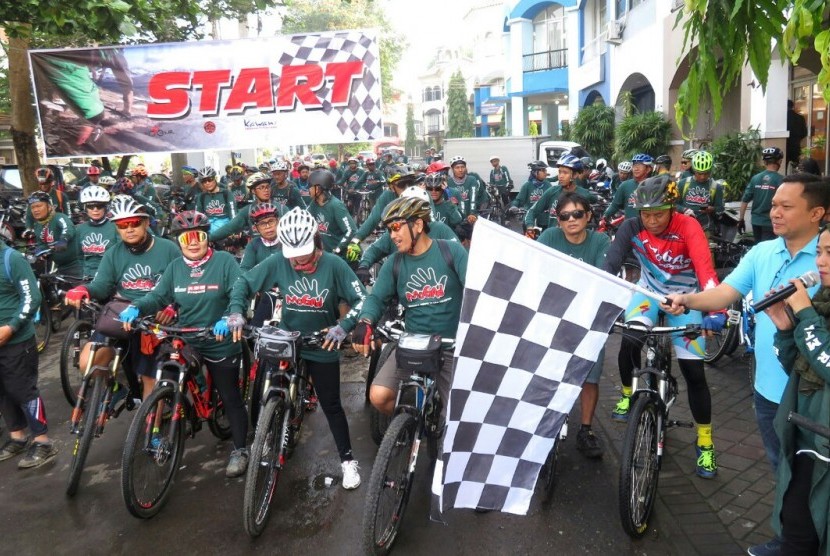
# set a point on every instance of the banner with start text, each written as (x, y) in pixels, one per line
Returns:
(312, 88)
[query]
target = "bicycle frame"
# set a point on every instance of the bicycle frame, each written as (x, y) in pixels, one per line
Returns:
(108, 374)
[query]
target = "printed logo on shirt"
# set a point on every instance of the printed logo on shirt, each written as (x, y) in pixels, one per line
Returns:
(215, 208)
(667, 260)
(306, 293)
(322, 224)
(46, 235)
(536, 194)
(424, 284)
(697, 195)
(138, 277)
(94, 244)
(464, 195)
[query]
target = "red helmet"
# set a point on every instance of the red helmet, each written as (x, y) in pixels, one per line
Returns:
(437, 166)
(332, 163)
(140, 171)
(264, 210)
(189, 220)
(93, 171)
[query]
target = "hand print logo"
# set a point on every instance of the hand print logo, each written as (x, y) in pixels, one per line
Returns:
(94, 244)
(138, 277)
(215, 208)
(306, 293)
(424, 284)
(322, 225)
(47, 236)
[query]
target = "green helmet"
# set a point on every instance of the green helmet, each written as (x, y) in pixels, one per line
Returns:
(702, 161)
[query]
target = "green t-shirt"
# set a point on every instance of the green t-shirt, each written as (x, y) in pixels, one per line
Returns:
(430, 291)
(202, 294)
(20, 297)
(473, 194)
(94, 242)
(132, 275)
(591, 251)
(310, 302)
(760, 191)
(375, 216)
(60, 228)
(256, 252)
(530, 192)
(500, 176)
(217, 205)
(624, 200)
(287, 196)
(334, 222)
(384, 246)
(446, 212)
(543, 211)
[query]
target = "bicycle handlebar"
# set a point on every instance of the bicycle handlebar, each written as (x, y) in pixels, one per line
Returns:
(808, 424)
(392, 330)
(657, 330)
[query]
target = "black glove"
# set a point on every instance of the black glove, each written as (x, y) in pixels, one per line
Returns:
(362, 333)
(27, 234)
(363, 274)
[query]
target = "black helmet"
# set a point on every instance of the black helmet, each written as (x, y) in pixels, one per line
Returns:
(39, 197)
(587, 162)
(656, 192)
(663, 159)
(772, 153)
(537, 165)
(323, 178)
(189, 220)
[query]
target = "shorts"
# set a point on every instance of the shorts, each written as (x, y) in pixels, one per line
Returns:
(596, 370)
(390, 376)
(646, 310)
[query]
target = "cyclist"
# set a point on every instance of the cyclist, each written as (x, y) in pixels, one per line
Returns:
(216, 203)
(573, 238)
(266, 219)
(760, 191)
(313, 281)
(236, 185)
(700, 195)
(470, 187)
(190, 186)
(543, 212)
(371, 180)
(500, 179)
(335, 225)
(624, 172)
(260, 185)
(97, 234)
(428, 279)
(533, 189)
(144, 191)
(302, 182)
(227, 178)
(581, 176)
(384, 246)
(283, 190)
(674, 256)
(129, 270)
(46, 184)
(397, 185)
(686, 164)
(625, 195)
(348, 178)
(662, 164)
(442, 210)
(55, 230)
(93, 174)
(199, 284)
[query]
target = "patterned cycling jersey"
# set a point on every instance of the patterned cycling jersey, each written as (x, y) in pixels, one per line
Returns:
(676, 261)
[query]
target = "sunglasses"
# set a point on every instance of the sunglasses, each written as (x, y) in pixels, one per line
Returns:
(96, 206)
(575, 214)
(192, 236)
(434, 188)
(131, 223)
(396, 226)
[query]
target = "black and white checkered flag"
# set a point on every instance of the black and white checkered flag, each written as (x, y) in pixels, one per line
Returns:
(533, 321)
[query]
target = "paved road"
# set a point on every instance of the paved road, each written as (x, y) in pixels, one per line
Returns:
(204, 512)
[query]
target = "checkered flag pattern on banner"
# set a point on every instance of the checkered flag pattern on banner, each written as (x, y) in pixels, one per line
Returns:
(533, 321)
(361, 119)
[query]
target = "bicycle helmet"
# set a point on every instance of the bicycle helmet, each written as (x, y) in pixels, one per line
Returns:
(264, 167)
(457, 160)
(405, 180)
(415, 192)
(106, 181)
(44, 175)
(122, 185)
(624, 166)
(602, 164)
(39, 197)
(570, 161)
(124, 206)
(206, 173)
(264, 210)
(323, 178)
(93, 171)
(369, 160)
(236, 173)
(663, 159)
(279, 166)
(353, 159)
(296, 233)
(772, 153)
(436, 179)
(189, 220)
(688, 154)
(256, 179)
(657, 192)
(537, 165)
(94, 194)
(587, 162)
(193, 171)
(642, 158)
(492, 158)
(702, 161)
(407, 208)
(437, 166)
(139, 171)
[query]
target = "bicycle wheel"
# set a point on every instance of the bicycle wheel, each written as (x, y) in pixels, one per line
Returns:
(372, 371)
(92, 408)
(151, 457)
(389, 486)
(640, 466)
(71, 372)
(264, 466)
(218, 423)
(43, 325)
(378, 422)
(548, 475)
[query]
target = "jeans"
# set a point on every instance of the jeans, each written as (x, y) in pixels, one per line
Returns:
(765, 411)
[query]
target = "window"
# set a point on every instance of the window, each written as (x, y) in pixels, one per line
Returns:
(390, 130)
(436, 93)
(433, 121)
(549, 29)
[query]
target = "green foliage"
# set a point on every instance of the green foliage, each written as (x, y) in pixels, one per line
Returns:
(5, 95)
(566, 131)
(533, 129)
(593, 128)
(646, 132)
(411, 140)
(736, 160)
(459, 118)
(336, 15)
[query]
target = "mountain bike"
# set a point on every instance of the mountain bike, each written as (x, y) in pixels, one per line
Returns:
(385, 340)
(548, 475)
(284, 400)
(364, 206)
(417, 416)
(812, 426)
(76, 337)
(175, 408)
(654, 392)
(53, 287)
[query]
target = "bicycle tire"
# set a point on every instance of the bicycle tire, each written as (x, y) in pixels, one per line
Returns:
(83, 441)
(296, 413)
(639, 467)
(264, 466)
(391, 478)
(549, 475)
(372, 371)
(717, 345)
(219, 425)
(164, 458)
(43, 326)
(80, 330)
(378, 422)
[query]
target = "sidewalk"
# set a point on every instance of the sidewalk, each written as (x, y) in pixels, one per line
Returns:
(720, 516)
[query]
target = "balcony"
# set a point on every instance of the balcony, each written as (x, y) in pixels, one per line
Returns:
(543, 61)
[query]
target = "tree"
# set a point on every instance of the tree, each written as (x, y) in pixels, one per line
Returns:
(593, 128)
(459, 119)
(335, 15)
(411, 140)
(746, 30)
(642, 132)
(65, 23)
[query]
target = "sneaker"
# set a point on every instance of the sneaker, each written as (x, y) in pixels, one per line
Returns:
(707, 467)
(12, 448)
(351, 477)
(39, 453)
(237, 463)
(620, 411)
(769, 548)
(589, 444)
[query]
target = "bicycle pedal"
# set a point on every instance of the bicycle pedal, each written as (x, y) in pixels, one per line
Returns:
(683, 424)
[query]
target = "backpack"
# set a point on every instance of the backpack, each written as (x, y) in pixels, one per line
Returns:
(445, 252)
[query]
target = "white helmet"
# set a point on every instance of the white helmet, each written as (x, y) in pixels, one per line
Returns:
(601, 164)
(416, 192)
(106, 181)
(457, 160)
(279, 166)
(124, 206)
(625, 166)
(296, 232)
(492, 158)
(94, 194)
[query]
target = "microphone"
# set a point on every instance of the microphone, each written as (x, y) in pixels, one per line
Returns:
(809, 279)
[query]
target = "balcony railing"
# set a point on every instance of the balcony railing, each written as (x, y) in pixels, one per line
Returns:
(541, 61)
